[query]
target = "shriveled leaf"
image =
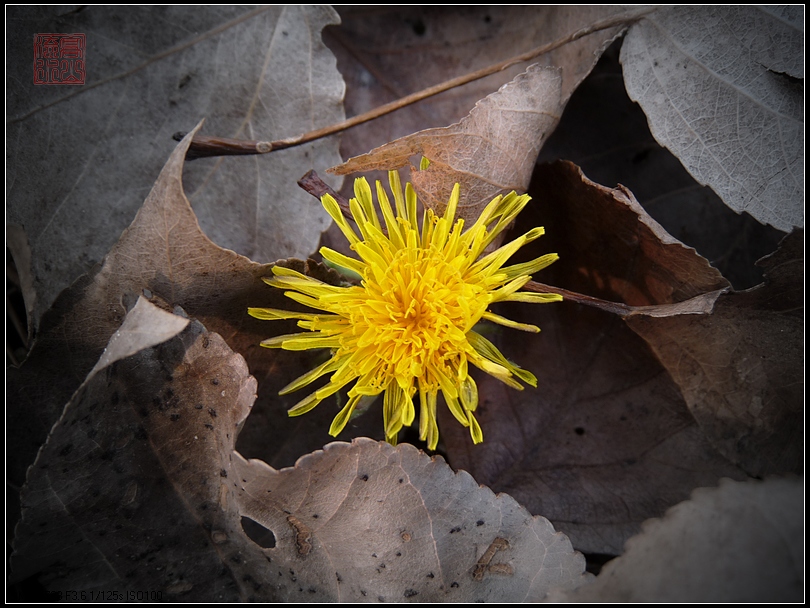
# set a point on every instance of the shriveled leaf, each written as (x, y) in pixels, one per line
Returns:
(387, 53)
(81, 159)
(165, 256)
(741, 370)
(741, 542)
(606, 440)
(720, 89)
(492, 151)
(139, 488)
(610, 247)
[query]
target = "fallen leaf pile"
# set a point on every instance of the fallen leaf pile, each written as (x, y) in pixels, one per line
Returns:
(148, 450)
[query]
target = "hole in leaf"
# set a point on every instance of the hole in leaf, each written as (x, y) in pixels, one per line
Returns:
(258, 533)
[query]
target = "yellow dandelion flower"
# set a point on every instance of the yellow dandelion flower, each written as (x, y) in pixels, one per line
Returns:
(408, 327)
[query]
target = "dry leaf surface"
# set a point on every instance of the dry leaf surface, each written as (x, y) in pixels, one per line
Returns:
(144, 326)
(492, 151)
(606, 440)
(139, 489)
(741, 369)
(741, 542)
(722, 89)
(125, 494)
(83, 158)
(165, 256)
(370, 522)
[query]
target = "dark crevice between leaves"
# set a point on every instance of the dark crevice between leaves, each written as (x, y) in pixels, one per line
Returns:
(16, 318)
(594, 562)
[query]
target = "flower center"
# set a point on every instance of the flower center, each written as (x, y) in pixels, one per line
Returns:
(416, 314)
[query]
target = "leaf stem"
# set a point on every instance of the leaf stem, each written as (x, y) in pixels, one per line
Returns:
(205, 146)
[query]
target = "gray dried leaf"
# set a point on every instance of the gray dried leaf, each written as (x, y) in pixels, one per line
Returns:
(370, 522)
(720, 89)
(741, 542)
(82, 158)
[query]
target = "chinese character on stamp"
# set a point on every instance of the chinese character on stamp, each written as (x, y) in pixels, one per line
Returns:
(59, 58)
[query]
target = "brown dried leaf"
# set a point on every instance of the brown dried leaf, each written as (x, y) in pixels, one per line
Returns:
(741, 542)
(741, 369)
(605, 441)
(492, 151)
(130, 492)
(139, 488)
(611, 248)
(165, 256)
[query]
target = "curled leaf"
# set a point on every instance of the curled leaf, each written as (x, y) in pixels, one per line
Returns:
(721, 88)
(741, 369)
(606, 440)
(164, 256)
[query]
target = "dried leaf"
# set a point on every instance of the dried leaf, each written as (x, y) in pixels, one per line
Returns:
(368, 521)
(492, 151)
(130, 491)
(713, 83)
(741, 369)
(82, 158)
(138, 488)
(17, 243)
(165, 256)
(611, 248)
(606, 440)
(741, 542)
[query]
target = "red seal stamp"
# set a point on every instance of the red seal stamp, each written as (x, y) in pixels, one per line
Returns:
(59, 58)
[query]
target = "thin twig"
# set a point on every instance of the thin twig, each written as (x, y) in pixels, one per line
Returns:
(317, 188)
(698, 305)
(203, 146)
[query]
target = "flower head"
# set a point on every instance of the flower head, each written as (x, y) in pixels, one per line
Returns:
(408, 328)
